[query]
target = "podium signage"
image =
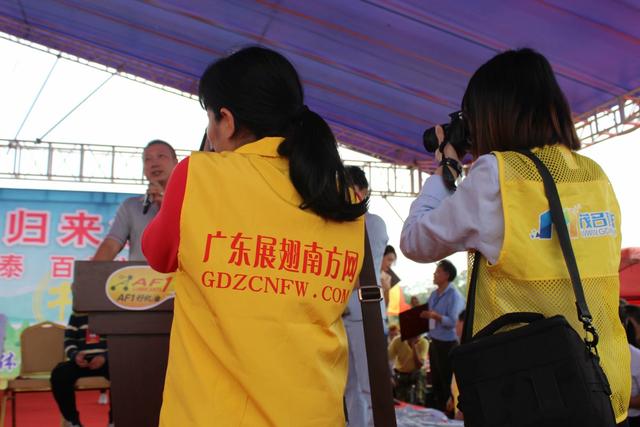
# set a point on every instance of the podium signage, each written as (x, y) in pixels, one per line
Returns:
(138, 287)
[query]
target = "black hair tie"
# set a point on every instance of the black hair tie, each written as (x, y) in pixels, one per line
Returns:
(447, 175)
(446, 161)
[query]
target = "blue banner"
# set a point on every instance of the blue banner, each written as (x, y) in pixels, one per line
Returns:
(43, 233)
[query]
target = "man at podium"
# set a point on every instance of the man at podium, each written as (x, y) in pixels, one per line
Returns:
(134, 214)
(86, 351)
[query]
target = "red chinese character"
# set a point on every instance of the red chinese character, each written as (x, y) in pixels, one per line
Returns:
(333, 263)
(350, 265)
(312, 259)
(11, 266)
(61, 267)
(207, 249)
(265, 252)
(80, 228)
(27, 227)
(289, 255)
(240, 254)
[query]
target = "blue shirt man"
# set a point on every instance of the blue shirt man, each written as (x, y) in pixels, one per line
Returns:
(445, 307)
(445, 304)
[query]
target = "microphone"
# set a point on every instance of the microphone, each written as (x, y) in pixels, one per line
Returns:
(146, 204)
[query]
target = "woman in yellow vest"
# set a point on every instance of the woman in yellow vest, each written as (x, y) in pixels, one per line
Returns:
(500, 209)
(266, 245)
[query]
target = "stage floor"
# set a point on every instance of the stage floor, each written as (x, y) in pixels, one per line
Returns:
(40, 410)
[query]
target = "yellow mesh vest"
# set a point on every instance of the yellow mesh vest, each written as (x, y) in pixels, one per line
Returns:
(531, 275)
(257, 336)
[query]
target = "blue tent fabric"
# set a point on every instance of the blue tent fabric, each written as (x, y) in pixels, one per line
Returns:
(379, 71)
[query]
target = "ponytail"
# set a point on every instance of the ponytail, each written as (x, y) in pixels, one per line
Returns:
(316, 170)
(262, 90)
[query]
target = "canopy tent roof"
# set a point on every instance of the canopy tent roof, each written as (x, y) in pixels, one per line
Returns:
(379, 71)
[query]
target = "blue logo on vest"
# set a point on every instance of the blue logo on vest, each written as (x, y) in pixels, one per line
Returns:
(579, 224)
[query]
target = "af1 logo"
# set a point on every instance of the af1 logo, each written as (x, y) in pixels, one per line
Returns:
(579, 224)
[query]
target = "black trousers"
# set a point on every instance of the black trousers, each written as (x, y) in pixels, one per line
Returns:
(441, 371)
(63, 381)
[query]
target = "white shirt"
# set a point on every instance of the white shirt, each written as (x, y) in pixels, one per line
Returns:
(635, 377)
(442, 222)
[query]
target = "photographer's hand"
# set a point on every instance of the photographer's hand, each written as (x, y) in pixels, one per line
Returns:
(449, 152)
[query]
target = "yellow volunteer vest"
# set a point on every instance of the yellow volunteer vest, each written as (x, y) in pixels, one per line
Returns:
(257, 336)
(531, 275)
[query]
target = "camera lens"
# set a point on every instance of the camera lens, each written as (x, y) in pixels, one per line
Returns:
(430, 140)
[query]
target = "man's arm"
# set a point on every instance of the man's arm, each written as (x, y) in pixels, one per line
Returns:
(392, 351)
(449, 318)
(73, 335)
(108, 250)
(117, 235)
(418, 357)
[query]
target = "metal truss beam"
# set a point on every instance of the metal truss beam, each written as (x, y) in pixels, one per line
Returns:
(108, 164)
(615, 118)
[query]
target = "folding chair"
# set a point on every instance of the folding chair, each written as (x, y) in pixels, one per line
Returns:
(41, 348)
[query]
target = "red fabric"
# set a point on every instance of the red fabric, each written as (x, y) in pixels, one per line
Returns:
(39, 409)
(630, 282)
(628, 257)
(161, 238)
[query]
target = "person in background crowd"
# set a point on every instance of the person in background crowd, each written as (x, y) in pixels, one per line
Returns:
(159, 158)
(358, 393)
(452, 404)
(87, 354)
(445, 304)
(631, 318)
(267, 242)
(407, 358)
(498, 211)
(414, 301)
(394, 331)
(388, 260)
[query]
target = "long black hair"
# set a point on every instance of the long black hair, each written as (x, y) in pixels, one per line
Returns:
(262, 90)
(514, 101)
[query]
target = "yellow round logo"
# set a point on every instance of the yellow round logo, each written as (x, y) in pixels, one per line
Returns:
(139, 287)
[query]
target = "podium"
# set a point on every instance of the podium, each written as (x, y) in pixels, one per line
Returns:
(133, 306)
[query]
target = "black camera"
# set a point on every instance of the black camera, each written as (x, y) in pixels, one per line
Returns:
(456, 133)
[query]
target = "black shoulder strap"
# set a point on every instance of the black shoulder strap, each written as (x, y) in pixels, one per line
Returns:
(557, 217)
(467, 330)
(370, 296)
